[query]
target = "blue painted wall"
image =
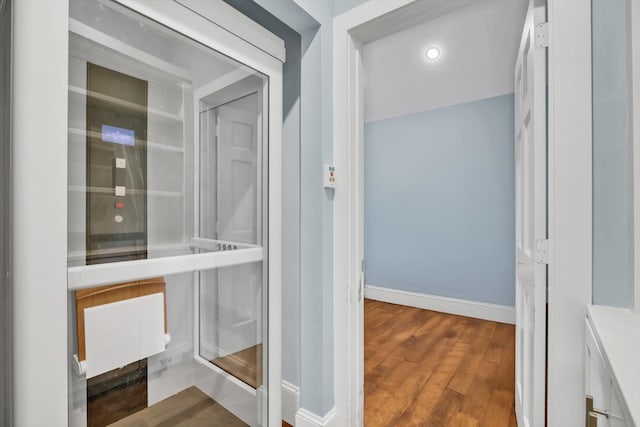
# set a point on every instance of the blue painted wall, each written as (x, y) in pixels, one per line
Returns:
(312, 302)
(612, 236)
(439, 202)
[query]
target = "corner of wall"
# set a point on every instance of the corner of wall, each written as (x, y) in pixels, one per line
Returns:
(305, 418)
(290, 402)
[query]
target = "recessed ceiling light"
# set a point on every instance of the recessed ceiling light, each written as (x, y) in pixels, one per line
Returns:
(432, 53)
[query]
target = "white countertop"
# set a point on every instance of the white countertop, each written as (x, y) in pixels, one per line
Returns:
(618, 333)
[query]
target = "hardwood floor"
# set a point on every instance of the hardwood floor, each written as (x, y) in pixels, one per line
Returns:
(424, 368)
(189, 408)
(246, 365)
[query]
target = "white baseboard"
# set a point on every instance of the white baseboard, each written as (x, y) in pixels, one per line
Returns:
(306, 418)
(290, 402)
(479, 310)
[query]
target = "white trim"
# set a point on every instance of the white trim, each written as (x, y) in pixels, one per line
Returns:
(39, 211)
(634, 50)
(227, 17)
(570, 207)
(305, 418)
(87, 276)
(290, 402)
(220, 83)
(236, 396)
(460, 307)
(214, 35)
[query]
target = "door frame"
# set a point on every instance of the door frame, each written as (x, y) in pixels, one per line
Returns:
(41, 298)
(6, 388)
(569, 193)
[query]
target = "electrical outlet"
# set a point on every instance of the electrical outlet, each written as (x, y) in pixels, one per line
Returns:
(329, 175)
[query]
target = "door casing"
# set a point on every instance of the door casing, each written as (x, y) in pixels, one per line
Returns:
(570, 210)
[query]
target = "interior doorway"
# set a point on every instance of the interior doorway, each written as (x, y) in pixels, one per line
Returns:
(439, 217)
(352, 262)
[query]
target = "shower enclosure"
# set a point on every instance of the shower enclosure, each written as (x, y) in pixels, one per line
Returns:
(173, 216)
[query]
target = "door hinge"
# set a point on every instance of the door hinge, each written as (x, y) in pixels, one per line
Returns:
(542, 34)
(542, 251)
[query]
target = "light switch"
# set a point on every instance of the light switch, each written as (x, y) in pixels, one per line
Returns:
(121, 163)
(329, 175)
(120, 190)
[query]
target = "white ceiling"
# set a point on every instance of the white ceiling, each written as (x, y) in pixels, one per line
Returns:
(412, 14)
(478, 44)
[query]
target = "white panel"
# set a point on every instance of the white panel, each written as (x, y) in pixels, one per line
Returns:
(570, 206)
(39, 167)
(123, 332)
(242, 135)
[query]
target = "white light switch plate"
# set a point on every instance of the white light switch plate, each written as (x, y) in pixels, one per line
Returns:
(121, 163)
(120, 191)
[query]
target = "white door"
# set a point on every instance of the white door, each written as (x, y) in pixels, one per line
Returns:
(239, 287)
(531, 220)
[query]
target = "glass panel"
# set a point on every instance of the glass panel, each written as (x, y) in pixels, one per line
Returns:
(167, 157)
(231, 333)
(233, 299)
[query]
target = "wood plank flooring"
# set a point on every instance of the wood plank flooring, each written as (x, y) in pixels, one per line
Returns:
(246, 365)
(430, 369)
(189, 408)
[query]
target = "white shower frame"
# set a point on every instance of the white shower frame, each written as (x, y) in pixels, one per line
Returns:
(41, 296)
(236, 394)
